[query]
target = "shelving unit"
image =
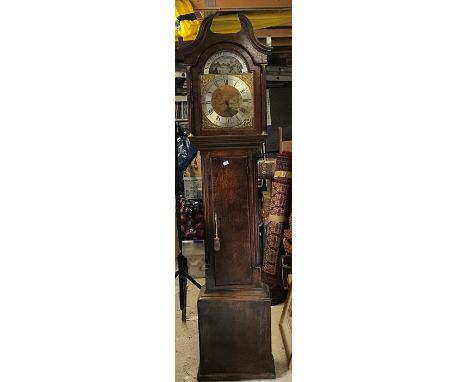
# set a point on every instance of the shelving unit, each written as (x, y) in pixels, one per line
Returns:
(181, 104)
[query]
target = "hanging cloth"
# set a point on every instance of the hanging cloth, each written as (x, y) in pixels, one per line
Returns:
(186, 24)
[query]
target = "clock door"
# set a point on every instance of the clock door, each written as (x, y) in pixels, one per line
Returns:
(230, 197)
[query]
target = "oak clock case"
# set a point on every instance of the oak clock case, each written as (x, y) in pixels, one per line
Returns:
(227, 112)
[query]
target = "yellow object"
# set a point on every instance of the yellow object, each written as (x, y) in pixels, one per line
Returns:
(229, 23)
(186, 29)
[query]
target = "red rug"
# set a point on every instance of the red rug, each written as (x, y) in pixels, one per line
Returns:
(279, 212)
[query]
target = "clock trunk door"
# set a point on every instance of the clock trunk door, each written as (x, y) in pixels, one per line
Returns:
(230, 185)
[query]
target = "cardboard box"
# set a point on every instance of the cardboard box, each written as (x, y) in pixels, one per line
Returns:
(194, 251)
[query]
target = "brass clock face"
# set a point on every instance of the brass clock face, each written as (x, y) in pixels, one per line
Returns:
(227, 100)
(225, 62)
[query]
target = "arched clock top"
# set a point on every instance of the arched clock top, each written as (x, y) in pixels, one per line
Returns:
(234, 59)
(226, 82)
(207, 41)
(225, 61)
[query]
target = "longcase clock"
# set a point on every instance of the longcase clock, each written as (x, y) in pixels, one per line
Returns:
(227, 113)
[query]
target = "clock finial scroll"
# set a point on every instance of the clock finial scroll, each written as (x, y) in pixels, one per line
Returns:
(227, 115)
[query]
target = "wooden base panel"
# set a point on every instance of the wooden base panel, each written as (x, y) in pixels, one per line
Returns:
(235, 335)
(234, 377)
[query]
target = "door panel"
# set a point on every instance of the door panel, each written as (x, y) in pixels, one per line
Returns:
(230, 197)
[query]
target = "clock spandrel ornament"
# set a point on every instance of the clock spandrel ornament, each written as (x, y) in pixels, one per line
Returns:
(227, 114)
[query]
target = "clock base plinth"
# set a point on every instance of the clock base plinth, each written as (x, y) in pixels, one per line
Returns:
(235, 335)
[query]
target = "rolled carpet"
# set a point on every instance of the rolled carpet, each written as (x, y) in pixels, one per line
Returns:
(279, 211)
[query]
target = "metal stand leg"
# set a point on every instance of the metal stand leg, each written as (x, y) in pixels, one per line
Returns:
(183, 268)
(183, 276)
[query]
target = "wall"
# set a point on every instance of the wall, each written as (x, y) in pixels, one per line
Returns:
(281, 116)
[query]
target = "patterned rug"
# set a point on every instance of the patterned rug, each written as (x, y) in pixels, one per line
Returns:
(287, 241)
(279, 212)
(287, 257)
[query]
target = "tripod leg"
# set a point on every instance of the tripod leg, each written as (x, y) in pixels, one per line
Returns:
(193, 281)
(183, 268)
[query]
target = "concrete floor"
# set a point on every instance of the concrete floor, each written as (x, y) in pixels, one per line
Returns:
(187, 339)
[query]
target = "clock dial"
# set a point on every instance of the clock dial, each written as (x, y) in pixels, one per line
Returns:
(227, 101)
(225, 62)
